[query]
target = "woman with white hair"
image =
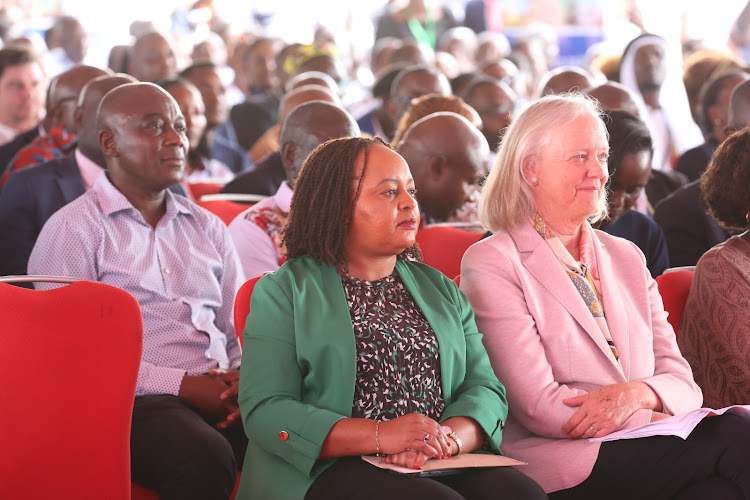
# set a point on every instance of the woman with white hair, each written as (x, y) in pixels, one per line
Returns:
(575, 327)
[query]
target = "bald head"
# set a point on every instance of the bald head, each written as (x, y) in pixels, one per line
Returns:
(308, 126)
(142, 136)
(447, 156)
(565, 79)
(63, 93)
(302, 95)
(612, 95)
(739, 106)
(152, 58)
(86, 113)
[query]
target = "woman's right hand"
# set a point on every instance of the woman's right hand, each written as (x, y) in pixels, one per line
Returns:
(410, 459)
(409, 432)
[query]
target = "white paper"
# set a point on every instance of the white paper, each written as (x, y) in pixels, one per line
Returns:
(466, 460)
(679, 425)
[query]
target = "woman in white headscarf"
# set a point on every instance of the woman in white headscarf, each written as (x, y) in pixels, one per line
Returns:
(653, 72)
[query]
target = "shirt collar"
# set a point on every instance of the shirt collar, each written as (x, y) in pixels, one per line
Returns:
(90, 170)
(283, 197)
(111, 200)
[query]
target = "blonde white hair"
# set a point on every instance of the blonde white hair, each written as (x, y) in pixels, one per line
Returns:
(507, 196)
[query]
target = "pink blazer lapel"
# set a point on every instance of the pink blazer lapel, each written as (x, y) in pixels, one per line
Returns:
(614, 308)
(544, 266)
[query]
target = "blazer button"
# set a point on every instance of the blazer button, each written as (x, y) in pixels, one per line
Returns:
(283, 435)
(502, 424)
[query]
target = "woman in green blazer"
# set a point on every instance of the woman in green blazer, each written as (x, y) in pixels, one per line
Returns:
(353, 348)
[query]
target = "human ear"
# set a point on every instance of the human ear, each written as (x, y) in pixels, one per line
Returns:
(713, 117)
(288, 153)
(107, 143)
(438, 165)
(529, 169)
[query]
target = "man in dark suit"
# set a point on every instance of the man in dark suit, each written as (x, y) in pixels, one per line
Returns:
(62, 96)
(689, 229)
(31, 196)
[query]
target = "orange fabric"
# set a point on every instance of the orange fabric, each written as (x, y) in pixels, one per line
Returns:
(242, 305)
(674, 288)
(443, 247)
(69, 358)
(225, 209)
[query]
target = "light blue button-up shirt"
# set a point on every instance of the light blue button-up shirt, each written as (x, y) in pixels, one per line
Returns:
(184, 273)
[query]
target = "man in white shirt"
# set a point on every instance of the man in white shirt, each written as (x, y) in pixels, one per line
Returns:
(257, 232)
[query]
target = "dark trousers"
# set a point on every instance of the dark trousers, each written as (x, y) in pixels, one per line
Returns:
(180, 455)
(712, 463)
(353, 478)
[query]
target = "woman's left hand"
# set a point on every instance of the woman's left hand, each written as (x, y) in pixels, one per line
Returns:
(604, 410)
(411, 459)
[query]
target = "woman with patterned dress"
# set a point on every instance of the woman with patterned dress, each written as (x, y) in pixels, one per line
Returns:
(354, 348)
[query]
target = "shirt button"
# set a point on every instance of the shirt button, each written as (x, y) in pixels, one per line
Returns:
(167, 270)
(283, 435)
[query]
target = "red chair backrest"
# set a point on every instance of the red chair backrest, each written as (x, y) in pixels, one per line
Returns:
(674, 287)
(242, 305)
(225, 209)
(443, 247)
(198, 189)
(69, 361)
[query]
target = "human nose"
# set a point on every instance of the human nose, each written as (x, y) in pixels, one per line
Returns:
(174, 136)
(407, 201)
(598, 169)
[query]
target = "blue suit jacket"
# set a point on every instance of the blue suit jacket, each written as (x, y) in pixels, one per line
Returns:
(9, 150)
(29, 198)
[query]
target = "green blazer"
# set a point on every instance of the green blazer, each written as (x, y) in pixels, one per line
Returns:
(299, 370)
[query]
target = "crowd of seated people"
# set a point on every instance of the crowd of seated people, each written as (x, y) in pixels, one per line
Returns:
(590, 181)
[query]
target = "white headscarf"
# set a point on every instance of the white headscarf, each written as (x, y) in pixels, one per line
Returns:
(685, 133)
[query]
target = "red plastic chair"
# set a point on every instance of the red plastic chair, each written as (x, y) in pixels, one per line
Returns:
(69, 361)
(242, 305)
(142, 493)
(199, 189)
(226, 210)
(443, 247)
(674, 287)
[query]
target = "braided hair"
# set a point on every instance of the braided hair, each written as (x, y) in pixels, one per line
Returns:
(323, 205)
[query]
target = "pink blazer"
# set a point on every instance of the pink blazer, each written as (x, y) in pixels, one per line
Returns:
(545, 346)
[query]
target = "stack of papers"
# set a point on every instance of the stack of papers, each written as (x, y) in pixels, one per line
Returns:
(678, 425)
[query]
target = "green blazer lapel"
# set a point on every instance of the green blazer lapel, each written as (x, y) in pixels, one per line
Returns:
(325, 338)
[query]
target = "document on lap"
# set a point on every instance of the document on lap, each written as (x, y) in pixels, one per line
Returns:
(463, 461)
(679, 425)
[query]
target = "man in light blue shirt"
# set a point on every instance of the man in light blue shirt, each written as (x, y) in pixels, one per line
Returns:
(178, 260)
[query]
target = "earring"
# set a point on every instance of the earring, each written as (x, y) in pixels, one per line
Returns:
(533, 180)
(747, 217)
